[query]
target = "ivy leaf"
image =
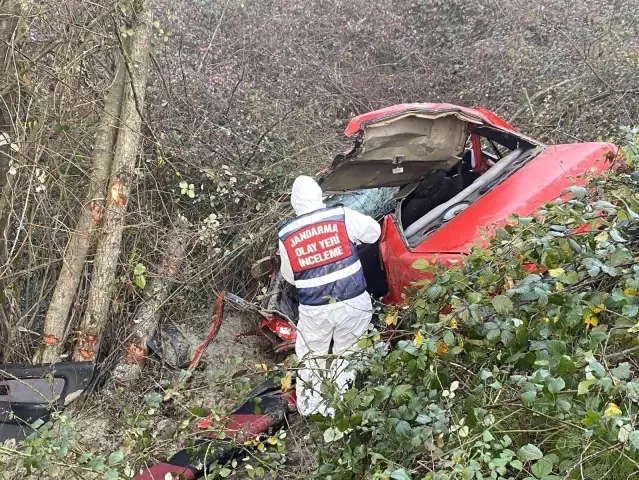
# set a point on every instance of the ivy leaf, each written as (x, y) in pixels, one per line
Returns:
(624, 433)
(403, 428)
(632, 389)
(507, 337)
(528, 398)
(529, 452)
(556, 348)
(584, 385)
(402, 392)
(224, 472)
(111, 475)
(556, 385)
(622, 371)
(633, 438)
(563, 405)
(140, 281)
(578, 192)
(449, 338)
(139, 269)
(597, 369)
(332, 434)
(569, 278)
(502, 304)
(542, 468)
(400, 474)
(493, 334)
(421, 264)
(116, 457)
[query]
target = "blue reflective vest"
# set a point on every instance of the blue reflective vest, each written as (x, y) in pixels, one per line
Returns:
(325, 263)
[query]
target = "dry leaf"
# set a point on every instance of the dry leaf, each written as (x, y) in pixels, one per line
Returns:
(590, 319)
(442, 347)
(285, 382)
(611, 410)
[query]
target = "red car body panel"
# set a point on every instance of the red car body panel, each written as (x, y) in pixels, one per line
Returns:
(541, 180)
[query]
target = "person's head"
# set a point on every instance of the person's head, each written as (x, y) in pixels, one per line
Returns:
(306, 195)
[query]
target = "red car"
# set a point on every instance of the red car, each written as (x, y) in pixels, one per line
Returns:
(435, 176)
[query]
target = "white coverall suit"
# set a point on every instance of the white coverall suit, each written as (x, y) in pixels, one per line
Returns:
(343, 321)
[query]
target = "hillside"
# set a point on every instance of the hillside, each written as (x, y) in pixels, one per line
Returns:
(147, 150)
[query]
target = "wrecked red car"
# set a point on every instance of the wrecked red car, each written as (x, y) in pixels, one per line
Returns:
(434, 176)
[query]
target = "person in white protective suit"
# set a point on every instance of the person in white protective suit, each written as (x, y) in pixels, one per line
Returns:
(319, 257)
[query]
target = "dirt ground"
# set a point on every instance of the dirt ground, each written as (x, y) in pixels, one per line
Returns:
(221, 379)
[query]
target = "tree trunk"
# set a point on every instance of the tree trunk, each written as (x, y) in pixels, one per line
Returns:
(122, 172)
(75, 255)
(130, 364)
(9, 15)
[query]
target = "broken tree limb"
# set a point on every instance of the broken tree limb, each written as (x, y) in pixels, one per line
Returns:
(145, 321)
(540, 93)
(122, 175)
(73, 261)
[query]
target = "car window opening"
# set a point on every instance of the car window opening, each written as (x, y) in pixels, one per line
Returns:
(441, 186)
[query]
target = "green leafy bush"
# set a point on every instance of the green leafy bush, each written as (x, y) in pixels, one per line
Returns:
(518, 364)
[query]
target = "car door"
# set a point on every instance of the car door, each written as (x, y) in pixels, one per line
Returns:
(30, 392)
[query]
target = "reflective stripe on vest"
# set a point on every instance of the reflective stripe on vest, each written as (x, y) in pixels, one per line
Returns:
(324, 261)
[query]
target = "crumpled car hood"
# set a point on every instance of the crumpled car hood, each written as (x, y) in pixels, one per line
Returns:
(402, 147)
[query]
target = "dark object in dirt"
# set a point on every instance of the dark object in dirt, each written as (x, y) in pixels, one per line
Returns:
(29, 392)
(251, 419)
(172, 346)
(631, 230)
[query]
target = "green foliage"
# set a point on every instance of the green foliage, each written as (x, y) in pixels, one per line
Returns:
(515, 364)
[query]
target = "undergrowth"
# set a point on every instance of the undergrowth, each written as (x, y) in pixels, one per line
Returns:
(519, 364)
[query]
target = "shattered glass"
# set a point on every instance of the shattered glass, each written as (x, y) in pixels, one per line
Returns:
(375, 202)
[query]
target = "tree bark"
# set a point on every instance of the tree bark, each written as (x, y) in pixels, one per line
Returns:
(9, 16)
(122, 173)
(157, 291)
(55, 323)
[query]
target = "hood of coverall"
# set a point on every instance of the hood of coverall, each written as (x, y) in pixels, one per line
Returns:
(306, 195)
